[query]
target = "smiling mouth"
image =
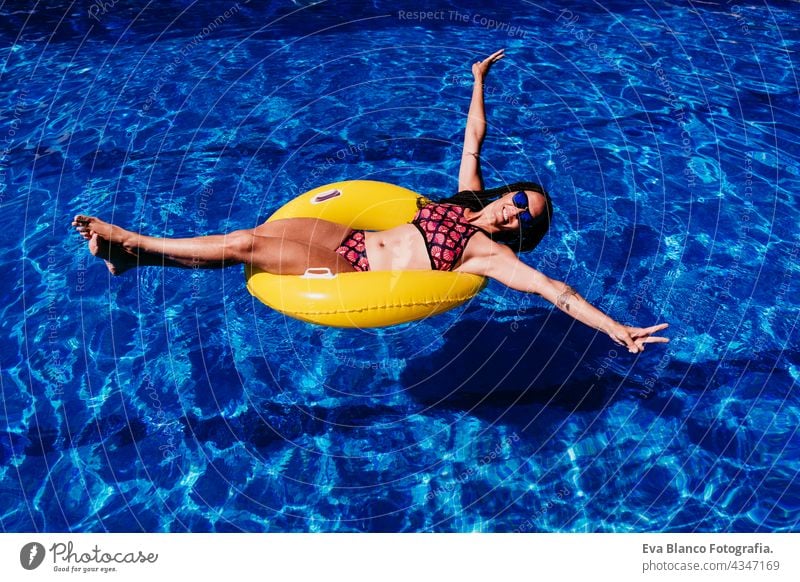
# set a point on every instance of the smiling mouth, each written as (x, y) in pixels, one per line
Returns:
(505, 215)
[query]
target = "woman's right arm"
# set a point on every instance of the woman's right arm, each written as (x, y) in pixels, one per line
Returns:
(469, 174)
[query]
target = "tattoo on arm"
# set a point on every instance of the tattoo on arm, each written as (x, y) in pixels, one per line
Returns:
(562, 301)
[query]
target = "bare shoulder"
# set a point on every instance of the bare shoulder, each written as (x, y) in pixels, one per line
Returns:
(482, 254)
(490, 259)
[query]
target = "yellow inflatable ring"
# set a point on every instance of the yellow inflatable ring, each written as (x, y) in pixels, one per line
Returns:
(360, 299)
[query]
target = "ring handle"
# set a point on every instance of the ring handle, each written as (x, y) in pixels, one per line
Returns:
(326, 195)
(318, 273)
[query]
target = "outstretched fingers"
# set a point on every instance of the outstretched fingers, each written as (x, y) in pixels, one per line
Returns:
(496, 56)
(644, 335)
(653, 340)
(491, 59)
(647, 333)
(481, 68)
(654, 328)
(635, 338)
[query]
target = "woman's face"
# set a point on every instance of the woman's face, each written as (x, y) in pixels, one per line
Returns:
(505, 214)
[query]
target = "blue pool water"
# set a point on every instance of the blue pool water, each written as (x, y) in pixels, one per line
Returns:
(168, 400)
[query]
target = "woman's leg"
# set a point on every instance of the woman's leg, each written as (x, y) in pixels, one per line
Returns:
(118, 260)
(313, 231)
(275, 255)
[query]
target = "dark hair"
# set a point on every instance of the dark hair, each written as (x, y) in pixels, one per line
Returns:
(522, 240)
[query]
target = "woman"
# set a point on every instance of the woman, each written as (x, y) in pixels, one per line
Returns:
(472, 232)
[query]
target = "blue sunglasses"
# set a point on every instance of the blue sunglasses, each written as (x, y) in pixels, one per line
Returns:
(520, 200)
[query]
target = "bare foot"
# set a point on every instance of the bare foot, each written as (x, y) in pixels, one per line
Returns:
(89, 225)
(99, 234)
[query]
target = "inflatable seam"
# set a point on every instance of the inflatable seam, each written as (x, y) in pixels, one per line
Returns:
(450, 300)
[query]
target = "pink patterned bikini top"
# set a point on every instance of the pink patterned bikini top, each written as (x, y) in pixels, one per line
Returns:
(446, 233)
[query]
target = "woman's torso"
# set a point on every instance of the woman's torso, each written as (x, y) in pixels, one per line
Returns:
(405, 247)
(401, 248)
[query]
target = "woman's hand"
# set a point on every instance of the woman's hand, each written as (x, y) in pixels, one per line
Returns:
(481, 68)
(634, 338)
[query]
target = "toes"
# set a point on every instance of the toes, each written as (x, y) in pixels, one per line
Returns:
(81, 224)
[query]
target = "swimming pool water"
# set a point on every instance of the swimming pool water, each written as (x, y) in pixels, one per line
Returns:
(168, 400)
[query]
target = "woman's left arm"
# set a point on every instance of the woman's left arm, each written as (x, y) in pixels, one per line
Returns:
(469, 173)
(505, 267)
